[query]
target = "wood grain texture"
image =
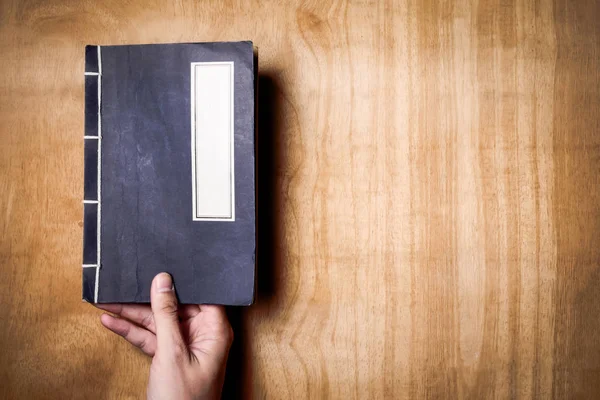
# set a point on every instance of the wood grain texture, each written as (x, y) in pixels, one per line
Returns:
(429, 202)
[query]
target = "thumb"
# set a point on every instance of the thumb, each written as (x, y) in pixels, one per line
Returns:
(166, 317)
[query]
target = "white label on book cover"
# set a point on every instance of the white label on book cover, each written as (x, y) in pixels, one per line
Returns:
(212, 141)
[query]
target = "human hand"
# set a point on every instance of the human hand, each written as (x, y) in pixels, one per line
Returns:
(189, 344)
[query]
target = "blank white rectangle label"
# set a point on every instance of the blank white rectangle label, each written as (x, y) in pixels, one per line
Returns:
(212, 141)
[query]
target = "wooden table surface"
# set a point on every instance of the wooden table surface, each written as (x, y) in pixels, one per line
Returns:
(430, 191)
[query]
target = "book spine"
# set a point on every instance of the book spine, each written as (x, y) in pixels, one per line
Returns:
(92, 173)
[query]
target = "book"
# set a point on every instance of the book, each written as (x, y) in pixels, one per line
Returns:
(169, 179)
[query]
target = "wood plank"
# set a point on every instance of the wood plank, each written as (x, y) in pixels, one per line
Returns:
(429, 212)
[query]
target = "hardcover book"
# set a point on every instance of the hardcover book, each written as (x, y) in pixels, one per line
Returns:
(170, 171)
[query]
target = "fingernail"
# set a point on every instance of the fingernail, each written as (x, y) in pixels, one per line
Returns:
(164, 283)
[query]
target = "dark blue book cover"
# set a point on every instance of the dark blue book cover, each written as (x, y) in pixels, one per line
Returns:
(170, 171)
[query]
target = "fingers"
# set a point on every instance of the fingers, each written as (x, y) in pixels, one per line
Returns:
(135, 335)
(215, 314)
(212, 325)
(189, 311)
(166, 317)
(141, 314)
(215, 310)
(218, 315)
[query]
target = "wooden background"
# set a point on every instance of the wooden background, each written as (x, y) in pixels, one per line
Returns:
(430, 191)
